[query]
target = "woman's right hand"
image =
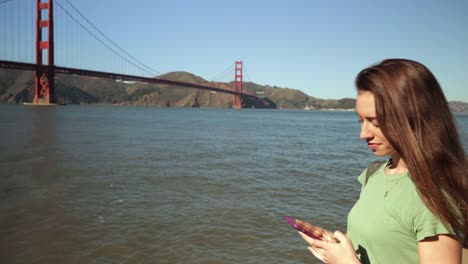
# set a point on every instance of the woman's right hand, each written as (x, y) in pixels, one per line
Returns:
(333, 248)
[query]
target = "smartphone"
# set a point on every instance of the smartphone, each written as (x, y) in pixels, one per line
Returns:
(293, 224)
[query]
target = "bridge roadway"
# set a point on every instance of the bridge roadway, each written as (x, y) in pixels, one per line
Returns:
(115, 76)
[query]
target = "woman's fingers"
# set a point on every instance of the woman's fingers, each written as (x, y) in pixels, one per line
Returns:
(313, 242)
(319, 232)
(337, 250)
(339, 236)
(343, 239)
(316, 247)
(318, 254)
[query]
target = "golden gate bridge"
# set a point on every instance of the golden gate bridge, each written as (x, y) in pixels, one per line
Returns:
(15, 31)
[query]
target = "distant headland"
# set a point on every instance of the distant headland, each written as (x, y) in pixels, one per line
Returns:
(17, 86)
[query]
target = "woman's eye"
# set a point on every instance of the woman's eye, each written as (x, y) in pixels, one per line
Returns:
(375, 123)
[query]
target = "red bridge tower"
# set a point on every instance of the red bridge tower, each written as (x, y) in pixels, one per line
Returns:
(238, 85)
(44, 92)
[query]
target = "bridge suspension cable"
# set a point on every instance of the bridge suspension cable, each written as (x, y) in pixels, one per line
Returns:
(247, 87)
(223, 74)
(136, 63)
(5, 1)
(141, 65)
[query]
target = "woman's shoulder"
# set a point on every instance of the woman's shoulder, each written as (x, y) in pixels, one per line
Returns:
(405, 204)
(373, 168)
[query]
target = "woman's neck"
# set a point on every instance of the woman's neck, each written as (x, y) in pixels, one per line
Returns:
(396, 166)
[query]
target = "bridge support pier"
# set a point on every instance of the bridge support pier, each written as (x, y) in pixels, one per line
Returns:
(44, 92)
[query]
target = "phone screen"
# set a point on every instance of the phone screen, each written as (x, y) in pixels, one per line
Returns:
(293, 224)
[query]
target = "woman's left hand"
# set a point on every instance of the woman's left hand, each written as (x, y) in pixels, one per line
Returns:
(330, 252)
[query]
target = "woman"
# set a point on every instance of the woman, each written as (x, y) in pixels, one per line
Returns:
(413, 208)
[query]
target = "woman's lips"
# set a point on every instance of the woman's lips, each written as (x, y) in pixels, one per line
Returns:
(373, 145)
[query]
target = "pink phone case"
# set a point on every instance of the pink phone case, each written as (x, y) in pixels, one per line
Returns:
(293, 224)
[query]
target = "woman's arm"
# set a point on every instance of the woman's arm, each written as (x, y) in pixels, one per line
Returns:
(439, 249)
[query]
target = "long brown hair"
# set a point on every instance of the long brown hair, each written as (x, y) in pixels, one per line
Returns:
(415, 118)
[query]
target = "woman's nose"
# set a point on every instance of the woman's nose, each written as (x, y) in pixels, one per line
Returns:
(365, 132)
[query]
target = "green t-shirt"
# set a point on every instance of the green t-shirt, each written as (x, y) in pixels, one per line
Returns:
(389, 219)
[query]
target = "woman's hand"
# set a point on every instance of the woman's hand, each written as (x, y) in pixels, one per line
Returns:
(318, 231)
(334, 248)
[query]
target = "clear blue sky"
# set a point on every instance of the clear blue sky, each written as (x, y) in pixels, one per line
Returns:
(314, 46)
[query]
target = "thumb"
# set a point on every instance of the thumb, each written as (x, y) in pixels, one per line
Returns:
(340, 236)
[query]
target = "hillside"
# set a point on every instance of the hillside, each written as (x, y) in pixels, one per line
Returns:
(17, 87)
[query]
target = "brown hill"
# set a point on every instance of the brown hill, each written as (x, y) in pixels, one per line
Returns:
(17, 86)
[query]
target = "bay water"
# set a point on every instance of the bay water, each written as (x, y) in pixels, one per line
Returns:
(107, 184)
